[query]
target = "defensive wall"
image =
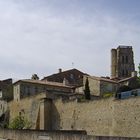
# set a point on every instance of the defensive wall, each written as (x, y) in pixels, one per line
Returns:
(6, 134)
(104, 117)
(100, 117)
(28, 107)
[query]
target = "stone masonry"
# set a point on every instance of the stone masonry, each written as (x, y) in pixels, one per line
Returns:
(122, 62)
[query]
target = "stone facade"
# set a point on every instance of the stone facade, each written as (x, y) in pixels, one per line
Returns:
(122, 62)
(102, 117)
(26, 88)
(7, 134)
(106, 117)
(6, 90)
(98, 86)
(71, 77)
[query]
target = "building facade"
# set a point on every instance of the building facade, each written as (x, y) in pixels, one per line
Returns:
(122, 62)
(98, 86)
(72, 77)
(26, 88)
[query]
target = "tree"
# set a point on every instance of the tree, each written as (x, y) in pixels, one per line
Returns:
(87, 90)
(35, 77)
(124, 88)
(20, 122)
(139, 69)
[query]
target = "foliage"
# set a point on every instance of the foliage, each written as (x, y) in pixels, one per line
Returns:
(87, 90)
(20, 122)
(35, 77)
(124, 88)
(107, 95)
(81, 99)
(139, 69)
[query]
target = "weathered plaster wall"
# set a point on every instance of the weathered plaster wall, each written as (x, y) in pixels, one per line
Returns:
(108, 117)
(94, 85)
(28, 107)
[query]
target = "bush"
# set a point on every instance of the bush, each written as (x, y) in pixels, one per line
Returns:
(107, 95)
(20, 122)
(124, 88)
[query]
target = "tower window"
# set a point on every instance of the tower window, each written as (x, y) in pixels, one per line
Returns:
(123, 73)
(126, 59)
(122, 59)
(126, 72)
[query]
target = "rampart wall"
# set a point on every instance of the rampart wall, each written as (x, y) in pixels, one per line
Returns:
(105, 117)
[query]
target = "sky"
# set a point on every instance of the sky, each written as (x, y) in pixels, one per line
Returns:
(41, 36)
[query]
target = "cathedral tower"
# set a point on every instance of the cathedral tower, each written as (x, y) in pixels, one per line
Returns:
(122, 62)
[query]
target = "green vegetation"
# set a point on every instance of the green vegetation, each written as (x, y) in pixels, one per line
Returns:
(87, 90)
(138, 74)
(139, 69)
(124, 88)
(35, 77)
(107, 95)
(19, 122)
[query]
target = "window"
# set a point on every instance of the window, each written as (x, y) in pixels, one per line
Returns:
(36, 89)
(28, 90)
(126, 72)
(71, 76)
(123, 59)
(126, 59)
(123, 73)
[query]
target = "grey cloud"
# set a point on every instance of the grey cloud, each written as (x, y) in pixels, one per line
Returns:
(36, 39)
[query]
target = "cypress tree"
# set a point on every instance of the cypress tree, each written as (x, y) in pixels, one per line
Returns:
(87, 90)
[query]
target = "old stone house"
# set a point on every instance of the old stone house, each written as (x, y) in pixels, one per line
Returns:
(71, 77)
(26, 88)
(6, 90)
(98, 85)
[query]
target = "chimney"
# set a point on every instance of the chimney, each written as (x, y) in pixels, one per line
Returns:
(59, 70)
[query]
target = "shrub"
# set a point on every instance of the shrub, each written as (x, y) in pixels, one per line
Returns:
(20, 122)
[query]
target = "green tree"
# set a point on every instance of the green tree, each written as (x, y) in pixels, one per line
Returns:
(35, 77)
(139, 69)
(87, 90)
(20, 122)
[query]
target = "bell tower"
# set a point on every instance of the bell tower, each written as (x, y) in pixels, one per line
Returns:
(122, 62)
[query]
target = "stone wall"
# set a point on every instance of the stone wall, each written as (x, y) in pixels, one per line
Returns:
(103, 117)
(106, 117)
(94, 85)
(7, 134)
(99, 86)
(27, 107)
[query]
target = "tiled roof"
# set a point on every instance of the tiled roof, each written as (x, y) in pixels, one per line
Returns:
(73, 76)
(103, 79)
(43, 83)
(127, 79)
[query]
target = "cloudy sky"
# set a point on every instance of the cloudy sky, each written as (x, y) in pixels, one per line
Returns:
(40, 36)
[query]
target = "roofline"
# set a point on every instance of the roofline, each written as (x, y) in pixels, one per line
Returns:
(35, 82)
(103, 79)
(123, 80)
(64, 72)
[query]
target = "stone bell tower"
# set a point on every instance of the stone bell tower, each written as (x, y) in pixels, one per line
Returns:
(122, 62)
